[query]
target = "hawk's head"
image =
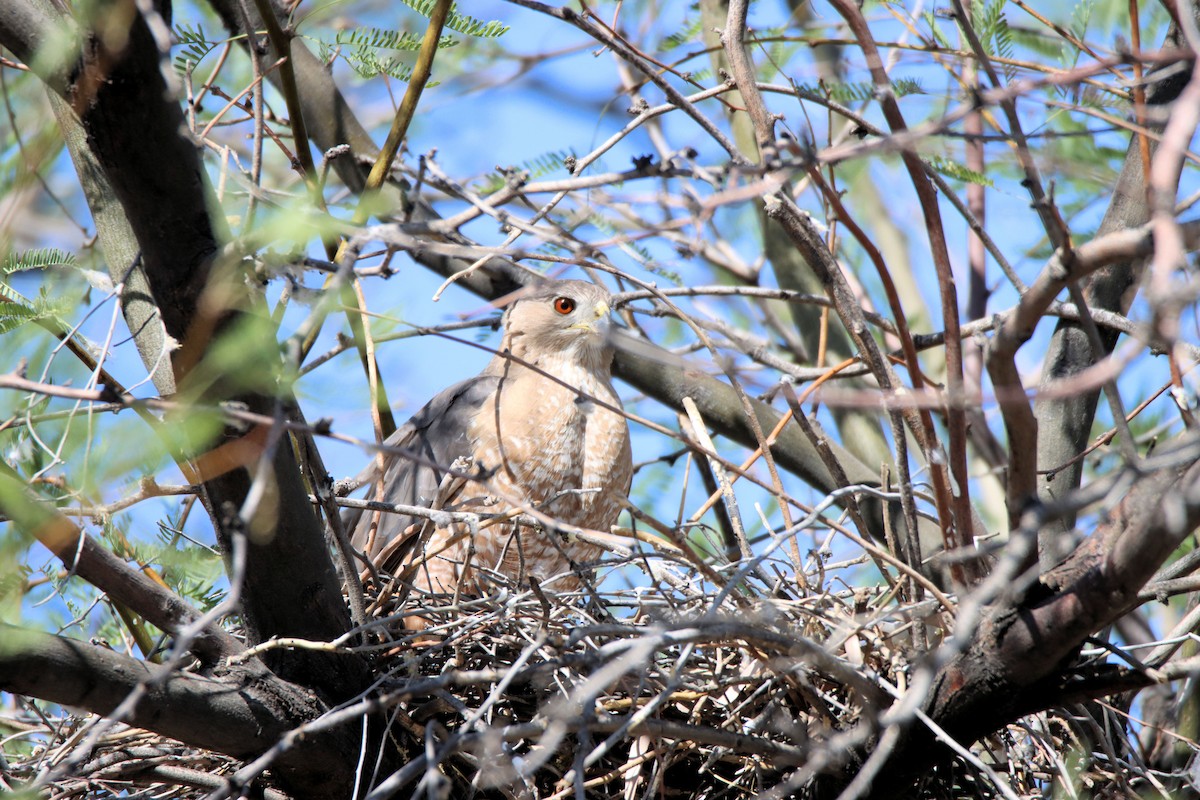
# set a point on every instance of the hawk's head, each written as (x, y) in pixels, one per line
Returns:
(566, 319)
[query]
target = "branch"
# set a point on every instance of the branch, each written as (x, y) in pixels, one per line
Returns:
(408, 104)
(586, 23)
(1021, 643)
(954, 505)
(1102, 579)
(1066, 422)
(133, 128)
(236, 716)
(803, 237)
(25, 28)
(83, 556)
(328, 116)
(1018, 327)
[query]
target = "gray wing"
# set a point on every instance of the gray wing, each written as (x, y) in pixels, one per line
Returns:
(436, 436)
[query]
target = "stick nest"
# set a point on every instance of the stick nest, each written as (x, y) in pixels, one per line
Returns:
(651, 692)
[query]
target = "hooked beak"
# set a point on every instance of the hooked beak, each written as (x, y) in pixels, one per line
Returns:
(600, 311)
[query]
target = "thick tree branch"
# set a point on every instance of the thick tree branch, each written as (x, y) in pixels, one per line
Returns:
(239, 714)
(26, 26)
(134, 130)
(121, 252)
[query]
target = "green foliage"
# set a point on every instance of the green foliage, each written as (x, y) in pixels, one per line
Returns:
(79, 597)
(195, 46)
(858, 92)
(952, 169)
(15, 308)
(778, 48)
(194, 572)
(1086, 162)
(244, 358)
(366, 44)
(689, 34)
(14, 440)
(382, 39)
(1081, 16)
(779, 53)
(940, 38)
(1093, 97)
(364, 55)
(13, 575)
(190, 569)
(128, 448)
(39, 258)
(536, 167)
(288, 226)
(368, 64)
(29, 140)
(461, 23)
(994, 34)
(187, 432)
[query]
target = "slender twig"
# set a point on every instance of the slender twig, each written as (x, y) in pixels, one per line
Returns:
(422, 69)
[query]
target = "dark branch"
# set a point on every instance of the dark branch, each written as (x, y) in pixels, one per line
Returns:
(241, 715)
(134, 129)
(88, 559)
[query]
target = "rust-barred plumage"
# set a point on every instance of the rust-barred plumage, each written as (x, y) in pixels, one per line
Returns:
(531, 425)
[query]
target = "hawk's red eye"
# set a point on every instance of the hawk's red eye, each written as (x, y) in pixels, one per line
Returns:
(564, 305)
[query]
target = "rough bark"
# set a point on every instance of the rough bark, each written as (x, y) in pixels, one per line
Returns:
(241, 712)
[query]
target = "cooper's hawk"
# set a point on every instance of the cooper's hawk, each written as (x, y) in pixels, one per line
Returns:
(529, 432)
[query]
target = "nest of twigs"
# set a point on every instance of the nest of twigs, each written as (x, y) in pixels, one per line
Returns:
(680, 688)
(655, 691)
